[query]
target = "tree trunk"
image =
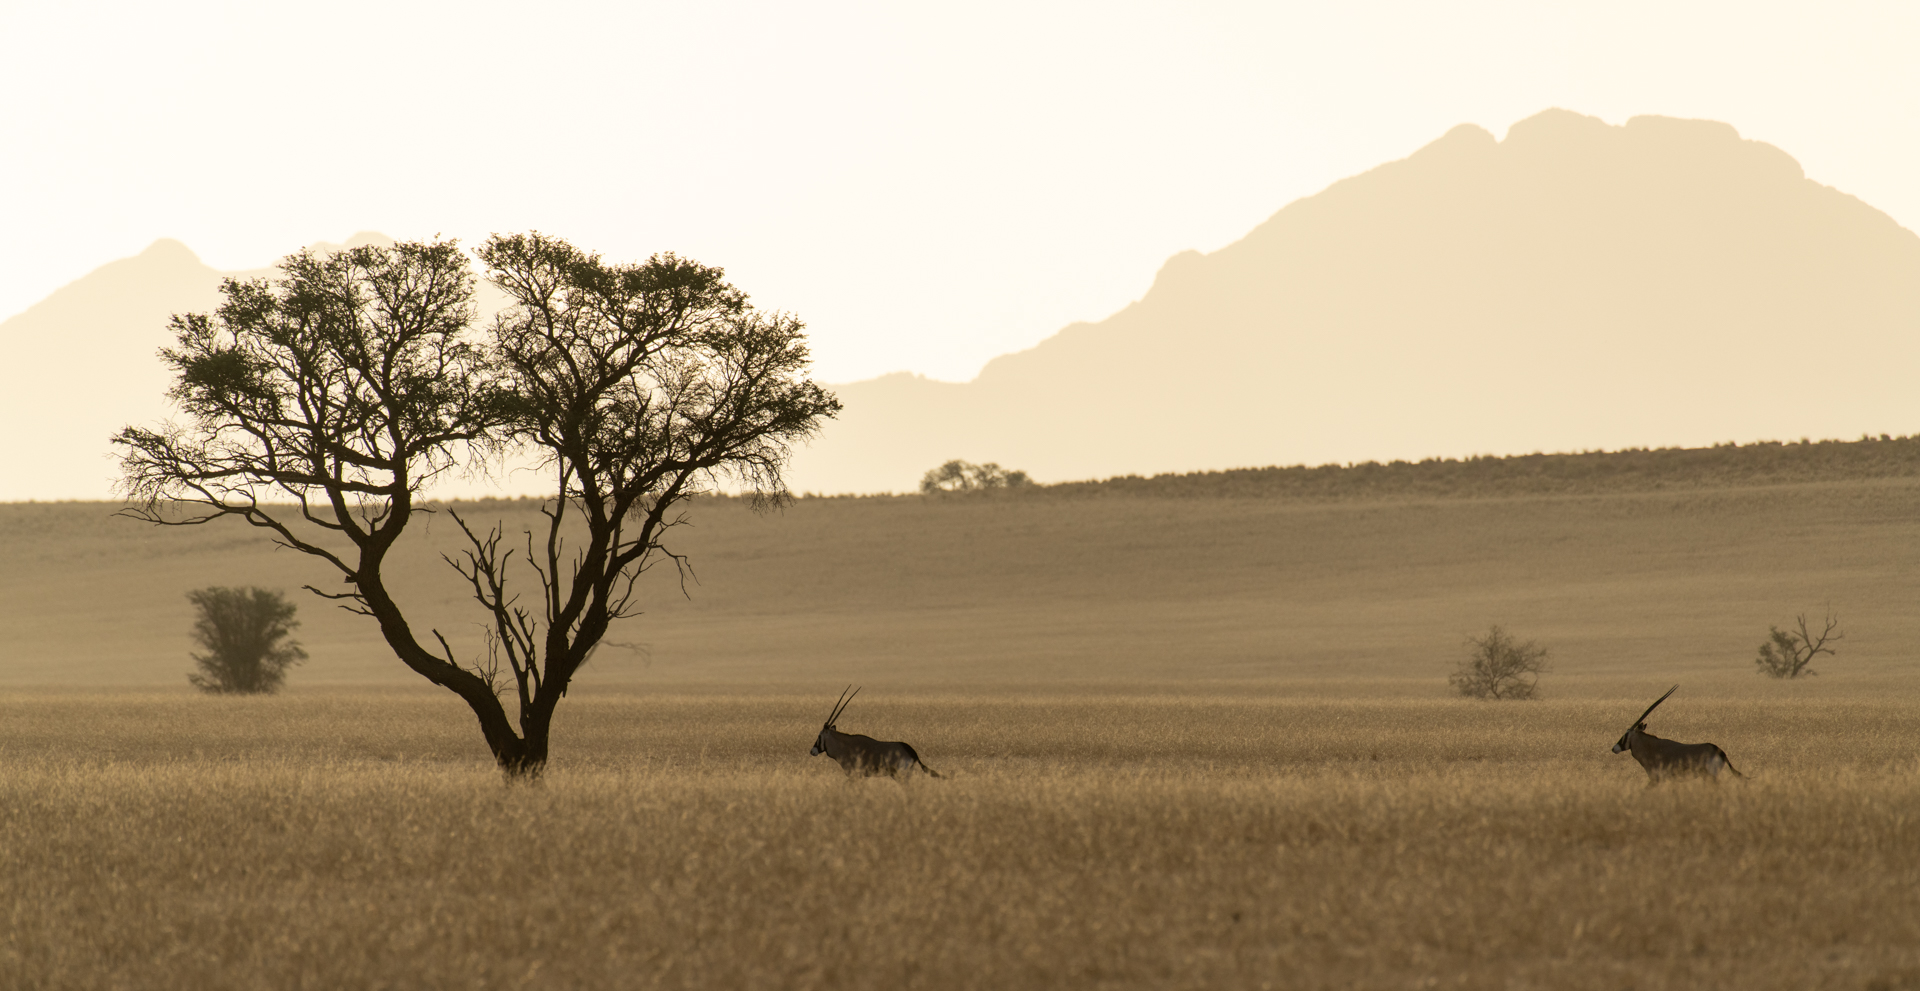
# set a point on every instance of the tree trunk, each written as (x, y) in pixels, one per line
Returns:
(515, 756)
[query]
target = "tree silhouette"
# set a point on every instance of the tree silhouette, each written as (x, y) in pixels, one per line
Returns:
(1498, 668)
(355, 379)
(1786, 653)
(965, 476)
(244, 631)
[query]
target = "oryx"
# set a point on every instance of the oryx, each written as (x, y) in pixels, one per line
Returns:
(864, 754)
(1664, 757)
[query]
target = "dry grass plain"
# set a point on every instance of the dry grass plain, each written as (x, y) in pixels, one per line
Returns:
(1632, 591)
(1193, 742)
(358, 839)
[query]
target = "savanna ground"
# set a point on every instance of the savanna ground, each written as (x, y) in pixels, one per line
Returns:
(1189, 743)
(356, 839)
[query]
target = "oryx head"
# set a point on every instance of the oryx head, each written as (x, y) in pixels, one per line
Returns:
(1641, 723)
(820, 742)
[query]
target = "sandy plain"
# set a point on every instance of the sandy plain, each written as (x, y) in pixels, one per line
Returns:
(1189, 743)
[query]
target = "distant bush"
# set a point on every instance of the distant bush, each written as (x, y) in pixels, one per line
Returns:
(244, 631)
(1786, 653)
(1497, 668)
(964, 476)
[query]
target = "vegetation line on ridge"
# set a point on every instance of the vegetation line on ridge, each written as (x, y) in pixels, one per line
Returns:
(1579, 473)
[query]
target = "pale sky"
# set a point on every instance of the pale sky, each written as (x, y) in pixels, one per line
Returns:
(926, 186)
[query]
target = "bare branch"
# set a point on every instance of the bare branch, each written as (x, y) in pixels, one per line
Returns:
(1788, 653)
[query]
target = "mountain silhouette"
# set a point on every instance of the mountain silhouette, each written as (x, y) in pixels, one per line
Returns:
(1577, 285)
(83, 363)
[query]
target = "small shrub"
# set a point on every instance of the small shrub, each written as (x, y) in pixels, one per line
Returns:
(1497, 668)
(1786, 653)
(963, 476)
(244, 631)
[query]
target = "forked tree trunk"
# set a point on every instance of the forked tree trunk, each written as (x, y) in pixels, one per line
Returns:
(519, 757)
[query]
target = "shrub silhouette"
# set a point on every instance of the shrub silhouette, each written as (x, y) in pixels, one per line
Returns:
(964, 476)
(1498, 668)
(1786, 653)
(244, 631)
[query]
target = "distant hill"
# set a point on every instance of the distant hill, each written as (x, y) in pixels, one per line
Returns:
(82, 363)
(1576, 285)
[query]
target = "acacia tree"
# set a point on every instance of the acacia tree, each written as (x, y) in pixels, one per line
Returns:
(354, 380)
(1497, 667)
(639, 386)
(965, 476)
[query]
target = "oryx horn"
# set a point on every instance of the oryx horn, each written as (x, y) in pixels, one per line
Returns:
(1655, 705)
(841, 705)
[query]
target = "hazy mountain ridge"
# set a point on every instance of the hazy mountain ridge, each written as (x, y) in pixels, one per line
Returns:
(108, 327)
(1577, 285)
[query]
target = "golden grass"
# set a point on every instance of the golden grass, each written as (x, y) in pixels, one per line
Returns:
(1121, 840)
(1191, 743)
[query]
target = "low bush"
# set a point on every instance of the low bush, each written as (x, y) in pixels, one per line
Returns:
(1498, 668)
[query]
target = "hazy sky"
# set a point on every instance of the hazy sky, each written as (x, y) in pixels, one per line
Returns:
(926, 186)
